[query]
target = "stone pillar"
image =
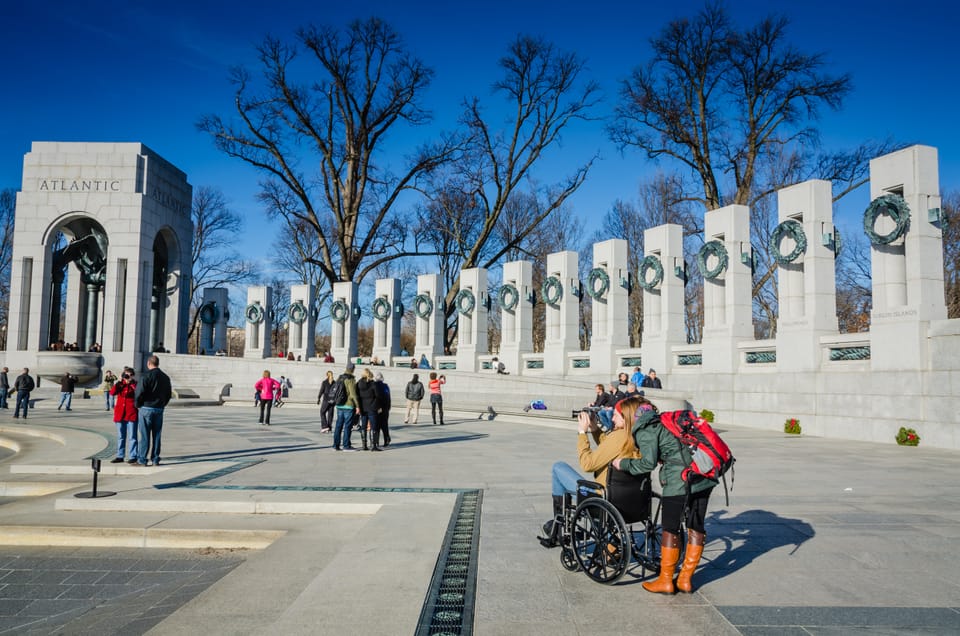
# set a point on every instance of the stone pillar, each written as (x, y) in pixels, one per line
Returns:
(664, 322)
(214, 314)
(259, 322)
(610, 309)
(728, 316)
(302, 325)
(562, 315)
(387, 313)
(907, 273)
(428, 307)
(344, 314)
(472, 321)
(516, 322)
(806, 286)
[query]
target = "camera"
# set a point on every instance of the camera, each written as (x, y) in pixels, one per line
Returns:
(126, 376)
(593, 410)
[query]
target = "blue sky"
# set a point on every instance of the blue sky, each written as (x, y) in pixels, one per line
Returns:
(146, 71)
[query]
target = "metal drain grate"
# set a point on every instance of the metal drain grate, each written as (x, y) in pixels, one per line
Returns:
(449, 606)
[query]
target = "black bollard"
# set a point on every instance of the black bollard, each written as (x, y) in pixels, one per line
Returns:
(95, 465)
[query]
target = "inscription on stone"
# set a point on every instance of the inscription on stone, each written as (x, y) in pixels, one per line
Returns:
(79, 185)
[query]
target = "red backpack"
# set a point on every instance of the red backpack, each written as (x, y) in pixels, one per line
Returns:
(710, 455)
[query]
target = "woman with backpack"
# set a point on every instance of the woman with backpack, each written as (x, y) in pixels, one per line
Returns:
(269, 390)
(325, 400)
(657, 445)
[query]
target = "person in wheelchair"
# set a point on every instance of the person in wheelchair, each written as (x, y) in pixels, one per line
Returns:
(657, 445)
(612, 437)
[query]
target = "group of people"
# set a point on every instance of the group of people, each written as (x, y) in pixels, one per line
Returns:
(632, 439)
(138, 412)
(348, 404)
(23, 385)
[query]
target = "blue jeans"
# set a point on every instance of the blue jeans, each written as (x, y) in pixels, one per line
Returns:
(65, 396)
(127, 431)
(564, 479)
(151, 425)
(108, 400)
(23, 398)
(344, 424)
(3, 398)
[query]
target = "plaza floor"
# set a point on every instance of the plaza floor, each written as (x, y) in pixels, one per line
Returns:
(246, 529)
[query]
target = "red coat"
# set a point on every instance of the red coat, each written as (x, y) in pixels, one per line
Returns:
(125, 409)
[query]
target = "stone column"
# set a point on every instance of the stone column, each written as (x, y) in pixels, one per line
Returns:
(610, 308)
(728, 316)
(562, 315)
(907, 273)
(343, 332)
(516, 323)
(213, 335)
(259, 300)
(430, 325)
(387, 313)
(302, 321)
(472, 321)
(664, 325)
(806, 286)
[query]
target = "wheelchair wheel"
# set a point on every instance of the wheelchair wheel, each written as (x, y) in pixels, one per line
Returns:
(601, 543)
(568, 559)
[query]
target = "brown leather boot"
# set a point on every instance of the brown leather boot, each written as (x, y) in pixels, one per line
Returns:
(691, 559)
(669, 555)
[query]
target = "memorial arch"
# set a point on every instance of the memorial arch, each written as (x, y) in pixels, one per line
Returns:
(101, 258)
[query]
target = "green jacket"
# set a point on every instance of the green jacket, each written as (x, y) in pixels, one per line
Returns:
(658, 445)
(350, 384)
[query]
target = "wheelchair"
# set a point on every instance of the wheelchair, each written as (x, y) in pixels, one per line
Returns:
(613, 528)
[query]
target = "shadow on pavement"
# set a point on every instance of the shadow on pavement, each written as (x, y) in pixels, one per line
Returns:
(747, 536)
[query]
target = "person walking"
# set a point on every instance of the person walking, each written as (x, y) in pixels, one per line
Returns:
(4, 387)
(108, 380)
(125, 416)
(658, 446)
(23, 385)
(153, 394)
(383, 415)
(268, 389)
(346, 411)
(369, 406)
(436, 397)
(68, 383)
(414, 395)
(324, 399)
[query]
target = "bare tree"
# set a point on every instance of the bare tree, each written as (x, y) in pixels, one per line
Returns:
(719, 100)
(544, 92)
(215, 262)
(950, 203)
(8, 207)
(320, 140)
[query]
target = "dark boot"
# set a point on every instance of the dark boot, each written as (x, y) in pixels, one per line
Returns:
(551, 529)
(669, 555)
(363, 435)
(695, 542)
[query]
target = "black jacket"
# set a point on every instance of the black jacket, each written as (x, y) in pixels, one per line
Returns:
(651, 383)
(24, 383)
(154, 390)
(369, 400)
(414, 391)
(67, 383)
